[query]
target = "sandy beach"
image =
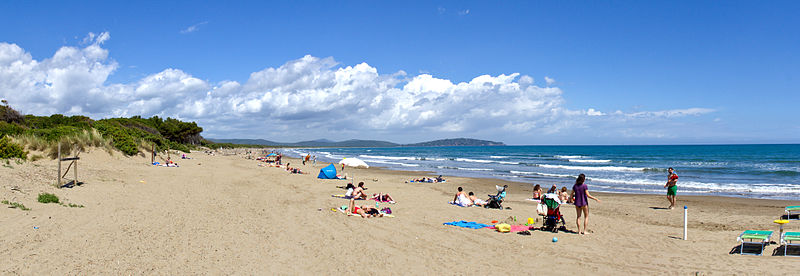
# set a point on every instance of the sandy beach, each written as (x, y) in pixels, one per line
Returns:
(227, 215)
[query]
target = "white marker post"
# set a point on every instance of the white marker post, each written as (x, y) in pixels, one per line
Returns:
(685, 222)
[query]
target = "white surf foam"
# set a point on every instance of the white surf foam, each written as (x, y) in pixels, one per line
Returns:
(473, 160)
(588, 161)
(589, 168)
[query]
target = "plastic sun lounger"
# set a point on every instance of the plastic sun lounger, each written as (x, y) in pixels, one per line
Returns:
(757, 237)
(790, 239)
(792, 210)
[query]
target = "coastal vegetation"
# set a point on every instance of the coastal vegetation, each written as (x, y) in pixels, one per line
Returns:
(47, 198)
(16, 205)
(128, 135)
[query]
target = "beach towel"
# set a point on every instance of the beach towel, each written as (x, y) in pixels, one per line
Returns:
(515, 228)
(344, 197)
(459, 205)
(467, 224)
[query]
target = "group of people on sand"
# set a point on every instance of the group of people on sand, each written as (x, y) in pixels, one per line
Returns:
(467, 199)
(579, 197)
(429, 179)
(563, 196)
(359, 193)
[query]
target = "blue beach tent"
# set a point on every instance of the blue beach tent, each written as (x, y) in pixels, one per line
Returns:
(328, 172)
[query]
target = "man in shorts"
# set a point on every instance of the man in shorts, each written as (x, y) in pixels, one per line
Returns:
(672, 187)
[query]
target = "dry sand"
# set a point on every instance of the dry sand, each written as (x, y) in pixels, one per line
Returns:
(226, 215)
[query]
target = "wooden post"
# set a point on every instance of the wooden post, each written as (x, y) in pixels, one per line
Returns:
(153, 155)
(75, 171)
(58, 179)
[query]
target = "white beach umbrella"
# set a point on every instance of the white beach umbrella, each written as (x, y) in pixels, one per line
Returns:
(354, 162)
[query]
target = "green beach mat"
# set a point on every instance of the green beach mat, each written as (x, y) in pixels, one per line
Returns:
(791, 236)
(756, 234)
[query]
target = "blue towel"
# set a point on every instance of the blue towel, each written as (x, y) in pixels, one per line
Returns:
(467, 224)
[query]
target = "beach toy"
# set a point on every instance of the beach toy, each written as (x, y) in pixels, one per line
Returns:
(494, 221)
(555, 239)
(530, 221)
(36, 227)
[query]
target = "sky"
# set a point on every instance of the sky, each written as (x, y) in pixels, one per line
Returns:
(520, 72)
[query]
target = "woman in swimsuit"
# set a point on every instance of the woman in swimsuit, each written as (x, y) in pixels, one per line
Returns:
(364, 211)
(580, 193)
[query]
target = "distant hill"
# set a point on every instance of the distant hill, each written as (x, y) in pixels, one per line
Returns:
(314, 143)
(456, 142)
(246, 142)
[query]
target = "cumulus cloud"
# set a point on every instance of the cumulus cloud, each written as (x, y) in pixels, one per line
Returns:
(314, 96)
(549, 80)
(193, 28)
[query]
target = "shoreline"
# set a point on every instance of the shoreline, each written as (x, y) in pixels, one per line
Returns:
(528, 187)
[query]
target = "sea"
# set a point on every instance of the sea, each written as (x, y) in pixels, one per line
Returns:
(751, 171)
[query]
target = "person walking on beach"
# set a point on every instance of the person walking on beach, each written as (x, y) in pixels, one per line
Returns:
(580, 195)
(314, 164)
(672, 187)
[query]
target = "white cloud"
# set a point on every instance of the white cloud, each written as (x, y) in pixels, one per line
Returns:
(463, 12)
(193, 28)
(549, 80)
(592, 112)
(311, 96)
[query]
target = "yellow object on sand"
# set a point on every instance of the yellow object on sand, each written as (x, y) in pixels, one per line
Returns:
(781, 221)
(503, 227)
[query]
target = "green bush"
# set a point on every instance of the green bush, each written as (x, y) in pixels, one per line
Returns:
(10, 128)
(11, 150)
(48, 198)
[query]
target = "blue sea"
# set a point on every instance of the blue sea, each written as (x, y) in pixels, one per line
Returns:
(754, 171)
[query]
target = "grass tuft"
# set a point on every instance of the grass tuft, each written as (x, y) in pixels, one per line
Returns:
(16, 205)
(48, 198)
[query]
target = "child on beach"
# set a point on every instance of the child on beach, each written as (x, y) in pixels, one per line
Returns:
(580, 195)
(477, 201)
(564, 196)
(672, 187)
(537, 192)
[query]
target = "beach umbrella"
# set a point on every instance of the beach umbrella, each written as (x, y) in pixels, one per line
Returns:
(354, 162)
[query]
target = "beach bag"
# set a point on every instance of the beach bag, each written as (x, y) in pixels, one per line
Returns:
(503, 227)
(386, 210)
(541, 209)
(493, 203)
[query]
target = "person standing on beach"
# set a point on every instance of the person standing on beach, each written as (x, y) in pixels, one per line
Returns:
(315, 161)
(672, 187)
(580, 195)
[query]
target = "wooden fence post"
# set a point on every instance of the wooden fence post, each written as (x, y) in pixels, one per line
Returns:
(58, 179)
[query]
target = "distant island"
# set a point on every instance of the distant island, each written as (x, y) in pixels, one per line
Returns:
(324, 143)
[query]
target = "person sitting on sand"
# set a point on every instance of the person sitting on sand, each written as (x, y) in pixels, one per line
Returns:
(553, 189)
(383, 198)
(461, 199)
(358, 192)
(364, 211)
(477, 201)
(350, 188)
(537, 192)
(564, 196)
(439, 179)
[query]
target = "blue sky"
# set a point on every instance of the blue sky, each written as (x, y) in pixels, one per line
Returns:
(621, 72)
